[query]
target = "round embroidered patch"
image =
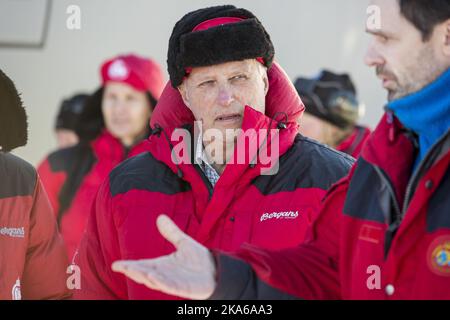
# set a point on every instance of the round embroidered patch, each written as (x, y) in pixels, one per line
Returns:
(438, 256)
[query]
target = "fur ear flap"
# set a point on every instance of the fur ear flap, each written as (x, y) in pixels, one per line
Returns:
(13, 118)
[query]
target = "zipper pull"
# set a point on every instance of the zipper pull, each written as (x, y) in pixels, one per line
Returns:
(390, 121)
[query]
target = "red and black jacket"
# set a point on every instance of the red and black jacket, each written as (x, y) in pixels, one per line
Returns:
(381, 233)
(33, 261)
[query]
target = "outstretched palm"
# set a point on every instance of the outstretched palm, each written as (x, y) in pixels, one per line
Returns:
(189, 272)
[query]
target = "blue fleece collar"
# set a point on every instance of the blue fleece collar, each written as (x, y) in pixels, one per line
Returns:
(426, 112)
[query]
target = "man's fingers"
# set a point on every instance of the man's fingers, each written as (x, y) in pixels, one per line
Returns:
(119, 266)
(128, 268)
(170, 230)
(136, 272)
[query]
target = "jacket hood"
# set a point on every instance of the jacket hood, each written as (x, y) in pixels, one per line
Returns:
(13, 118)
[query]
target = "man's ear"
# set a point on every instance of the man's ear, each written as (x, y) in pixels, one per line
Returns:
(446, 47)
(266, 84)
(184, 95)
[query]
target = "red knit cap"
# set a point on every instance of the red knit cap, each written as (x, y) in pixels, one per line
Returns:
(142, 74)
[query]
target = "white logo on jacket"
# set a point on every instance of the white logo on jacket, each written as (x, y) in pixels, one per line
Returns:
(13, 232)
(15, 292)
(279, 215)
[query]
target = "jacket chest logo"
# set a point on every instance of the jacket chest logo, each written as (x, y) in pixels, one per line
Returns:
(279, 215)
(12, 232)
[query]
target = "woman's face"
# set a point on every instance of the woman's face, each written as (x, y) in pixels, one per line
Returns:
(126, 112)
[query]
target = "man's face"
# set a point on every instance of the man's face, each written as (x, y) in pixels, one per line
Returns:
(126, 111)
(217, 94)
(402, 60)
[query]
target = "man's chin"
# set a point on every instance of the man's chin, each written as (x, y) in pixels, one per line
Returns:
(120, 134)
(395, 95)
(391, 96)
(230, 126)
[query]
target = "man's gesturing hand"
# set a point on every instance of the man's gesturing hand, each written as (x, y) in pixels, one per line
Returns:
(189, 272)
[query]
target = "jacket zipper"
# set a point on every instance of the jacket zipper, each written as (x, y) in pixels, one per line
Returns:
(400, 213)
(393, 226)
(391, 190)
(126, 151)
(418, 172)
(205, 180)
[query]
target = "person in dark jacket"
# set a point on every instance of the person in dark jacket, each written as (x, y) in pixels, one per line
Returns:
(66, 120)
(221, 191)
(383, 232)
(33, 260)
(112, 127)
(332, 111)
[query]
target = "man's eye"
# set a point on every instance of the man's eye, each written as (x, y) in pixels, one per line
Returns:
(206, 83)
(239, 77)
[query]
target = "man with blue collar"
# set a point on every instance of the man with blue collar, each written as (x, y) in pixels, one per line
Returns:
(384, 231)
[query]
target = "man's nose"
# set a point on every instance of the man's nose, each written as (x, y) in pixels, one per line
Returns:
(373, 58)
(225, 96)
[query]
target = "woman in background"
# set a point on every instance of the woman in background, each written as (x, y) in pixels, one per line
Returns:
(113, 126)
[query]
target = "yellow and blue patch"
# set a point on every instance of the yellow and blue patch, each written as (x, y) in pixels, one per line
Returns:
(439, 256)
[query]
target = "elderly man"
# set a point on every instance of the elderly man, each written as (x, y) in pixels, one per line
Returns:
(223, 193)
(384, 231)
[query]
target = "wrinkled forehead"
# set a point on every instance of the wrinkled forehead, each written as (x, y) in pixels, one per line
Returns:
(248, 66)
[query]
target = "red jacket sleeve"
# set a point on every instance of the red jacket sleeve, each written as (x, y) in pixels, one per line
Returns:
(44, 275)
(98, 249)
(309, 271)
